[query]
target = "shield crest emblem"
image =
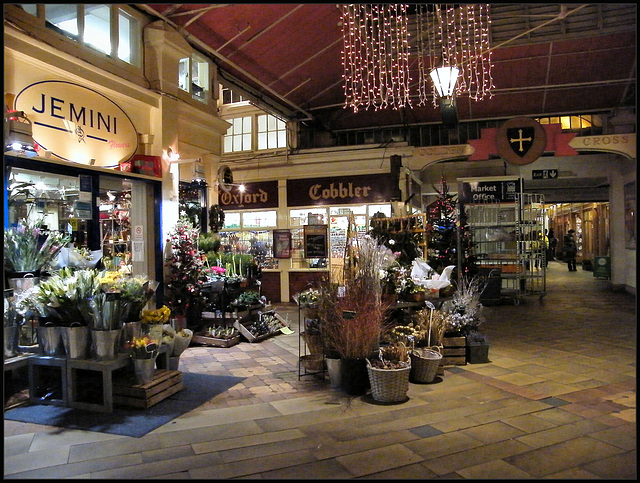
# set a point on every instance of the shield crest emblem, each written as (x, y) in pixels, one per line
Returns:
(521, 140)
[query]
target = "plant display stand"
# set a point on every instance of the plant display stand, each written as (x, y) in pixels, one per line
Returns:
(48, 380)
(90, 382)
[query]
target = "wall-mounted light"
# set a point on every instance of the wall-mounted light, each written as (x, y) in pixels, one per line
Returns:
(18, 134)
(171, 156)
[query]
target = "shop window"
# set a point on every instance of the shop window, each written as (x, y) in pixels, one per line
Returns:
(92, 25)
(97, 27)
(249, 233)
(129, 38)
(238, 137)
(231, 97)
(183, 74)
(193, 76)
(272, 132)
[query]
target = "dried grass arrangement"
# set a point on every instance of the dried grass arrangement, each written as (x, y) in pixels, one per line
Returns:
(395, 356)
(435, 319)
(354, 323)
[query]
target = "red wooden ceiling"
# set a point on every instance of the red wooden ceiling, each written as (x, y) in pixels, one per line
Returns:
(294, 50)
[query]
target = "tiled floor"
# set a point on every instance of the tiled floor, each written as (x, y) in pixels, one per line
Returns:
(557, 400)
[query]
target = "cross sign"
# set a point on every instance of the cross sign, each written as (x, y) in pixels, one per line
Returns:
(520, 140)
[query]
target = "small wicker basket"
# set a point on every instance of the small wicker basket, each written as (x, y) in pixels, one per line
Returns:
(389, 385)
(424, 363)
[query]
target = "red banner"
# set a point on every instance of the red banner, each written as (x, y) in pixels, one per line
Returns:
(557, 142)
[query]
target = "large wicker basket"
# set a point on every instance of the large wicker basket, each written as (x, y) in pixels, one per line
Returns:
(424, 364)
(389, 385)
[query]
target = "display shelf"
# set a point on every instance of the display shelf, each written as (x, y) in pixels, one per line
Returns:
(48, 380)
(416, 224)
(90, 382)
(307, 366)
(507, 236)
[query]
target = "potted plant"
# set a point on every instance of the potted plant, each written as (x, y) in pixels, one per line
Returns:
(312, 334)
(10, 325)
(462, 316)
(153, 322)
(477, 348)
(143, 351)
(185, 274)
(64, 300)
(353, 325)
(28, 248)
(107, 311)
(389, 373)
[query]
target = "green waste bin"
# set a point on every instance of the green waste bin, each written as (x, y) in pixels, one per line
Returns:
(602, 267)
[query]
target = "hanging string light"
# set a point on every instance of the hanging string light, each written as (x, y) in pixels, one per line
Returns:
(376, 50)
(456, 36)
(375, 56)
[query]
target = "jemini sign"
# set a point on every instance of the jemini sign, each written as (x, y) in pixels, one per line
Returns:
(78, 124)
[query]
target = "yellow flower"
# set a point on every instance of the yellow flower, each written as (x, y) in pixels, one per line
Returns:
(158, 316)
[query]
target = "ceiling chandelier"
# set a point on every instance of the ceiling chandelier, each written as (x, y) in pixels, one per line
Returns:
(377, 50)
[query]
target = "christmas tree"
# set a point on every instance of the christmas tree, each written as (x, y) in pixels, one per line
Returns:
(185, 274)
(443, 242)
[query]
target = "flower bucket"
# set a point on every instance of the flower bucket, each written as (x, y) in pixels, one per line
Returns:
(76, 340)
(22, 281)
(104, 343)
(10, 341)
(333, 368)
(389, 385)
(50, 340)
(424, 364)
(144, 369)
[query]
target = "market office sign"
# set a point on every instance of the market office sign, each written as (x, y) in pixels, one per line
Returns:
(488, 190)
(342, 190)
(78, 124)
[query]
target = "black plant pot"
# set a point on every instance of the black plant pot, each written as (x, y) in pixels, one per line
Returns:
(354, 378)
(477, 353)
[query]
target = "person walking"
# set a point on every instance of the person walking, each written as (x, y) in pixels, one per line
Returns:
(570, 249)
(553, 243)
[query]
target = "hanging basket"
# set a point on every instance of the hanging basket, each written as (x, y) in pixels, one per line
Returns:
(389, 385)
(424, 364)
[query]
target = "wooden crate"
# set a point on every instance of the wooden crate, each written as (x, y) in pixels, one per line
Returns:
(241, 325)
(454, 351)
(200, 338)
(126, 391)
(246, 333)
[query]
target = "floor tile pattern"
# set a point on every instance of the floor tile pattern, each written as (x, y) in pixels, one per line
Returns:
(557, 400)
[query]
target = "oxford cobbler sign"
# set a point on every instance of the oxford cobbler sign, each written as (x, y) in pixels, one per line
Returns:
(372, 188)
(78, 124)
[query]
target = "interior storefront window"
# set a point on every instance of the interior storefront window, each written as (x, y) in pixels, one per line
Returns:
(65, 203)
(34, 196)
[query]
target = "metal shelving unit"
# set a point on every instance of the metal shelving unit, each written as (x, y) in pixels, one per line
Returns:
(508, 238)
(532, 251)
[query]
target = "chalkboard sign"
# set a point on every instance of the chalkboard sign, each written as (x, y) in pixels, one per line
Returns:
(315, 241)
